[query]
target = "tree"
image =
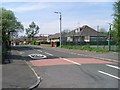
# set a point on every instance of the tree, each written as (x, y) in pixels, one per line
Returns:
(32, 31)
(9, 24)
(116, 22)
(103, 31)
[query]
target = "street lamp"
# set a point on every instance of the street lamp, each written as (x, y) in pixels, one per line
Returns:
(97, 35)
(60, 25)
(109, 39)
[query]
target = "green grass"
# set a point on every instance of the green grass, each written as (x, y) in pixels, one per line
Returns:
(85, 47)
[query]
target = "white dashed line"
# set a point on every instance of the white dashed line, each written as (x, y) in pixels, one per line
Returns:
(113, 66)
(73, 53)
(21, 53)
(70, 61)
(39, 50)
(49, 54)
(83, 55)
(109, 74)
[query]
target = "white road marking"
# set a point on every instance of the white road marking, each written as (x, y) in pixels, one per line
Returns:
(70, 61)
(21, 52)
(73, 53)
(49, 54)
(109, 74)
(39, 50)
(33, 70)
(37, 55)
(83, 55)
(113, 66)
(38, 77)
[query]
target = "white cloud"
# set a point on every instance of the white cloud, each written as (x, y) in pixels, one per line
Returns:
(29, 7)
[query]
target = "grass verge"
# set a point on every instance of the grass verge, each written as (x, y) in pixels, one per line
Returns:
(85, 47)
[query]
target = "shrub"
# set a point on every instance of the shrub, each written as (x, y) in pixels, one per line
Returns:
(44, 42)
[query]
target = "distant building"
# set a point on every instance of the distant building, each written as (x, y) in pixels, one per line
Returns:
(80, 34)
(42, 38)
(84, 34)
(54, 38)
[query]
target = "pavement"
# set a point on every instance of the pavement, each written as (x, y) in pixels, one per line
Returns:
(17, 74)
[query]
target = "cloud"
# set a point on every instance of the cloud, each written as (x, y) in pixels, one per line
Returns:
(29, 7)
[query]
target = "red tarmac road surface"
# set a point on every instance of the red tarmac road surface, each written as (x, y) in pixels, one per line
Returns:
(60, 61)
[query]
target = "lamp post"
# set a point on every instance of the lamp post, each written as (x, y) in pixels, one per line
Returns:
(97, 36)
(109, 39)
(60, 26)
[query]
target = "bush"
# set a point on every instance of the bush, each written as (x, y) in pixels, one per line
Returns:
(35, 43)
(44, 42)
(32, 43)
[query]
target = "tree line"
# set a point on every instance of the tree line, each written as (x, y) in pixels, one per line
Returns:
(9, 25)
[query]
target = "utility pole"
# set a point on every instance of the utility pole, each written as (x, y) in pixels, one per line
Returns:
(97, 35)
(60, 26)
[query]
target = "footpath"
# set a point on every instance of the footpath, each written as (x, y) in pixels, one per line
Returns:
(17, 74)
(110, 56)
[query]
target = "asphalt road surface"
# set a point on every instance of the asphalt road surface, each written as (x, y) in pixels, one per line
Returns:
(69, 70)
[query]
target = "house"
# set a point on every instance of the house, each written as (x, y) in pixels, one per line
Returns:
(54, 37)
(42, 38)
(84, 34)
(20, 40)
(78, 35)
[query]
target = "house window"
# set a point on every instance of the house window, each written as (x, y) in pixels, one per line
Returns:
(87, 38)
(69, 39)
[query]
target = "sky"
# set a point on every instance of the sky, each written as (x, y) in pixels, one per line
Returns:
(74, 14)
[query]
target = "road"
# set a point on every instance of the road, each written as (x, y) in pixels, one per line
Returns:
(60, 69)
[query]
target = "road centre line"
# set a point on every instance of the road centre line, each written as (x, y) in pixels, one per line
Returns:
(113, 66)
(49, 54)
(109, 75)
(70, 61)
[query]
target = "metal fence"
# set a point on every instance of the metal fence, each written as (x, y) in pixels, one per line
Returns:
(101, 44)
